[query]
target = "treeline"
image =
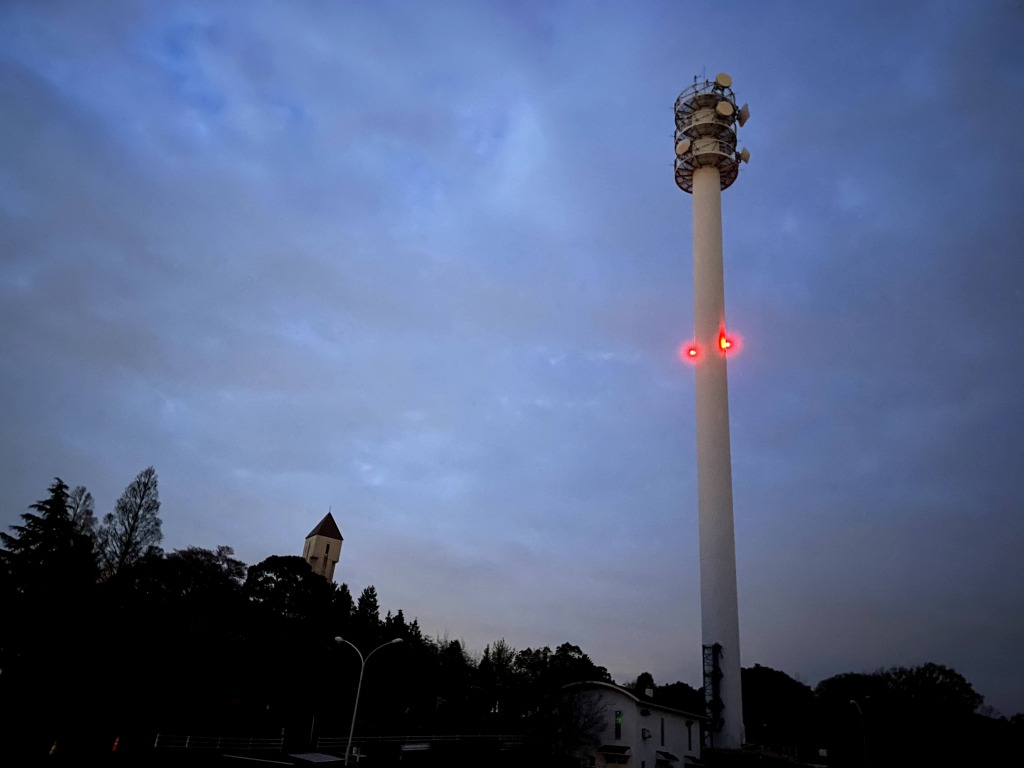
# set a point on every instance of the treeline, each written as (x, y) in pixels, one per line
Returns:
(105, 638)
(928, 714)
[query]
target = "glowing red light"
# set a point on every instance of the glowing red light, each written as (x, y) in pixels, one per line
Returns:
(689, 352)
(728, 343)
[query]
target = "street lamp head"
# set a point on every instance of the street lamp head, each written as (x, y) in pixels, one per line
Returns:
(339, 639)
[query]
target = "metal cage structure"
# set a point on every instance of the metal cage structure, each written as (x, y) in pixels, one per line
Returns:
(706, 122)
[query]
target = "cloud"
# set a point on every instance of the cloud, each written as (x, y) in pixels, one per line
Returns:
(426, 265)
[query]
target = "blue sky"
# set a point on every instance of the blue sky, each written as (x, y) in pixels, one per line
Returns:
(425, 264)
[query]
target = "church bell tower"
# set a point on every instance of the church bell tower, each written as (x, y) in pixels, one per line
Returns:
(323, 547)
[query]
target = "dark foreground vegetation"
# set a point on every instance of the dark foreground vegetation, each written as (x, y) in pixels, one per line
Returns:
(107, 641)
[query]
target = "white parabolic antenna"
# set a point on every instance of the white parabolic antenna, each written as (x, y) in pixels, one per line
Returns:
(723, 79)
(744, 115)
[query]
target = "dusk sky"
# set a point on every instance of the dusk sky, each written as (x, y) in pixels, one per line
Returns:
(425, 264)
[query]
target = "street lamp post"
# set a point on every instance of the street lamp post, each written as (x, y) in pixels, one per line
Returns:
(359, 687)
(863, 732)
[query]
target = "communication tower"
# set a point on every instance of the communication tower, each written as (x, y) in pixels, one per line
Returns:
(707, 161)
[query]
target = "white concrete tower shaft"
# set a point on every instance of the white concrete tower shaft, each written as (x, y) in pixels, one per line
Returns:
(718, 598)
(706, 163)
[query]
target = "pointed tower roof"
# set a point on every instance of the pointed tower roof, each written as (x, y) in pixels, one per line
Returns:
(327, 528)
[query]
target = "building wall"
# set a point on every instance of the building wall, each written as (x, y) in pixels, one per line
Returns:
(646, 729)
(322, 555)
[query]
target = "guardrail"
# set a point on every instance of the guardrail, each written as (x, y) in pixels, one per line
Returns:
(171, 741)
(176, 741)
(339, 742)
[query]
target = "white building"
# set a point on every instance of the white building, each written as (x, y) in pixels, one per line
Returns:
(637, 732)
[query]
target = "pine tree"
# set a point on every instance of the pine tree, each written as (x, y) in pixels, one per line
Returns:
(51, 571)
(366, 624)
(47, 551)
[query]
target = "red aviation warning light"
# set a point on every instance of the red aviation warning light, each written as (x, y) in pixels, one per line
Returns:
(728, 343)
(689, 352)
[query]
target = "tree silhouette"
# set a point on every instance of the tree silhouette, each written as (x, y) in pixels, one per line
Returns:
(933, 688)
(643, 683)
(680, 695)
(497, 676)
(285, 587)
(47, 551)
(343, 608)
(51, 572)
(365, 626)
(81, 510)
(899, 716)
(133, 529)
(779, 713)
